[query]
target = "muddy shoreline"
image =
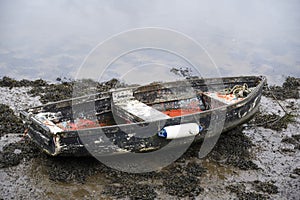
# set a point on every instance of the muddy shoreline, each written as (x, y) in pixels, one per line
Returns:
(257, 160)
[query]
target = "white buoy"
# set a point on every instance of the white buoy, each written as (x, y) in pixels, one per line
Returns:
(180, 131)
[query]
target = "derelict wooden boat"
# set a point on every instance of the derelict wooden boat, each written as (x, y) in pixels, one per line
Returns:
(143, 118)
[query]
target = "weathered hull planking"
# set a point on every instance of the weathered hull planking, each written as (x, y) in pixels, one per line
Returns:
(121, 129)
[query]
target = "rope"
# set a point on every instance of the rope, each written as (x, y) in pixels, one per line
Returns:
(273, 121)
(286, 113)
(238, 90)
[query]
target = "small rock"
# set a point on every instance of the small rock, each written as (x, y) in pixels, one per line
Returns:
(17, 151)
(294, 176)
(297, 171)
(266, 187)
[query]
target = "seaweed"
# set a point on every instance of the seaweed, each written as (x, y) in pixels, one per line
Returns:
(9, 122)
(288, 90)
(272, 121)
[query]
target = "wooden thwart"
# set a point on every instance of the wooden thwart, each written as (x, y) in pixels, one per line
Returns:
(131, 109)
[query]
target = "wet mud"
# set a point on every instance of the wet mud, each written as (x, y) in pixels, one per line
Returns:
(14, 153)
(234, 150)
(257, 160)
(273, 121)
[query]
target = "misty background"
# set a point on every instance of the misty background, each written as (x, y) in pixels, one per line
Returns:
(48, 39)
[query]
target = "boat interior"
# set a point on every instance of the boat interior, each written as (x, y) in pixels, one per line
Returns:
(155, 101)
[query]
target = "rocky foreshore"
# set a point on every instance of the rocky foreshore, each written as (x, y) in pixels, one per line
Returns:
(257, 160)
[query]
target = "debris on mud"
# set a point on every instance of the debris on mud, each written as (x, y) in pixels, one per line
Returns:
(195, 169)
(296, 137)
(133, 186)
(175, 180)
(279, 118)
(233, 149)
(182, 185)
(9, 122)
(178, 179)
(296, 141)
(68, 169)
(253, 190)
(273, 121)
(13, 153)
(133, 191)
(290, 140)
(297, 171)
(266, 187)
(182, 179)
(242, 193)
(288, 90)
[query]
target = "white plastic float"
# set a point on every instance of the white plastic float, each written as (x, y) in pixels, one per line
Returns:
(180, 131)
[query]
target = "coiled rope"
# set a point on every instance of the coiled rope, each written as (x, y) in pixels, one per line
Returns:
(238, 90)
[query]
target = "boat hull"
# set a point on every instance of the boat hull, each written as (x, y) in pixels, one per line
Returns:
(142, 136)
